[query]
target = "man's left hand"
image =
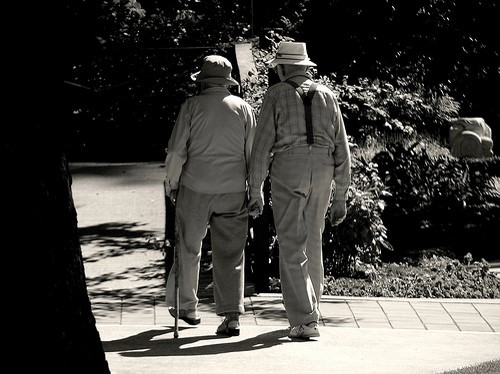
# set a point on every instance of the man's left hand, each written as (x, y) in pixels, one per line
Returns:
(338, 212)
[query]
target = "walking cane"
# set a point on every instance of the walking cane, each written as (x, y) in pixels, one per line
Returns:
(170, 236)
(176, 287)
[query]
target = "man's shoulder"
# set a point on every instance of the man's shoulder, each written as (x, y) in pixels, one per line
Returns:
(237, 99)
(277, 88)
(190, 99)
(323, 88)
(326, 91)
(284, 85)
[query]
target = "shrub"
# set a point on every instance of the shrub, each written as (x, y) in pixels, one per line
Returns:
(403, 110)
(438, 200)
(362, 235)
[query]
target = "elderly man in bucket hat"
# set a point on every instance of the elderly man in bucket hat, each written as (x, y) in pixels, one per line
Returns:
(206, 175)
(301, 141)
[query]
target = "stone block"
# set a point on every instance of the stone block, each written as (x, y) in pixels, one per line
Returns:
(470, 137)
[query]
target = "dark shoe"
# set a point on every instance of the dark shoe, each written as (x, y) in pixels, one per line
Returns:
(190, 317)
(229, 327)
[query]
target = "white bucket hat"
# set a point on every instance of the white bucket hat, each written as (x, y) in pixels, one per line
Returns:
(215, 69)
(291, 53)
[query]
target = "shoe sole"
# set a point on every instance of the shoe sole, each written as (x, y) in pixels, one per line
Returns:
(304, 337)
(229, 332)
(189, 321)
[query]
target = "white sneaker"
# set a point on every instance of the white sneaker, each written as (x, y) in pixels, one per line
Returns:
(304, 331)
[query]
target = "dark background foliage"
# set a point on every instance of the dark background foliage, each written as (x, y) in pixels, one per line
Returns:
(127, 63)
(449, 42)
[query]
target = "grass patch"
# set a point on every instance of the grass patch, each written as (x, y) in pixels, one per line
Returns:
(430, 277)
(488, 367)
(433, 277)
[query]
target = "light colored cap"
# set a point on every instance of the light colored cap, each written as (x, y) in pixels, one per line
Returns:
(291, 53)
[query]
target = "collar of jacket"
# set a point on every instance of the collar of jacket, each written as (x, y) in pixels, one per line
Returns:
(297, 74)
(220, 89)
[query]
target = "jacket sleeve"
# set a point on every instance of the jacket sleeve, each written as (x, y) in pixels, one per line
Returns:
(177, 148)
(251, 124)
(261, 151)
(341, 156)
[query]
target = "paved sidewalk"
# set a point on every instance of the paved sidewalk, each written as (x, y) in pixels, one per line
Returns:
(358, 335)
(120, 208)
(454, 315)
(138, 349)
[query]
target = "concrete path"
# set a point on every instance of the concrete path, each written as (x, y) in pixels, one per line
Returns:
(358, 335)
(120, 212)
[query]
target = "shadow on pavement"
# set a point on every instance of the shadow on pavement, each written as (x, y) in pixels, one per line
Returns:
(269, 309)
(150, 344)
(138, 283)
(119, 238)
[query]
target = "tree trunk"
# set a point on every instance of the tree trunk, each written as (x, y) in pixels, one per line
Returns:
(43, 236)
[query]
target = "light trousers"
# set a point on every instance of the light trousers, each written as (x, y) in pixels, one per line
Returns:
(301, 186)
(227, 216)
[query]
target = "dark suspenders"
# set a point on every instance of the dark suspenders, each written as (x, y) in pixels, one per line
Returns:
(307, 100)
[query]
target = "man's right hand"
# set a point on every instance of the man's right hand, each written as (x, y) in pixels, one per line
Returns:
(171, 194)
(255, 206)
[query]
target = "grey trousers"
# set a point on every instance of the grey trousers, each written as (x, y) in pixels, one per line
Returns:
(301, 186)
(227, 216)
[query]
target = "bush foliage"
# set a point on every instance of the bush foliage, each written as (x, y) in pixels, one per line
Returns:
(362, 235)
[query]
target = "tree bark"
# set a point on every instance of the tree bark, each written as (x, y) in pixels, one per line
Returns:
(52, 306)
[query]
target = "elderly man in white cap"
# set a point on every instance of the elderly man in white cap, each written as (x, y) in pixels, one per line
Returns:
(206, 175)
(301, 141)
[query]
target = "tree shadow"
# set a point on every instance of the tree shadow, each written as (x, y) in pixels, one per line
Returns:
(115, 239)
(144, 282)
(119, 238)
(150, 344)
(271, 309)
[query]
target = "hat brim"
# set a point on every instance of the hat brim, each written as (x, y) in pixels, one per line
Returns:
(287, 61)
(217, 80)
